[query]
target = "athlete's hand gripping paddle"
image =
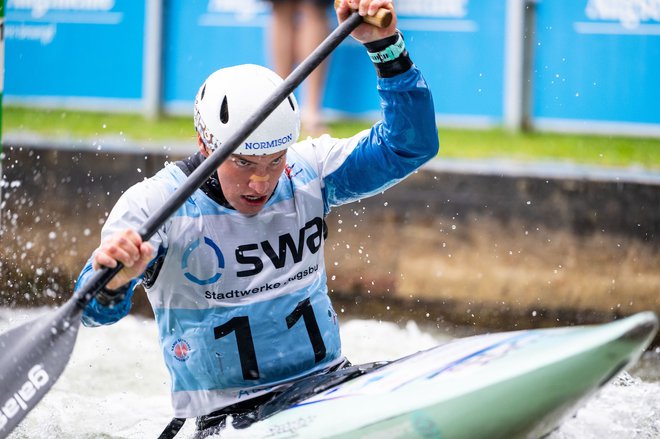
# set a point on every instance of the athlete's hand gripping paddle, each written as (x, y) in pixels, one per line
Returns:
(382, 18)
(35, 354)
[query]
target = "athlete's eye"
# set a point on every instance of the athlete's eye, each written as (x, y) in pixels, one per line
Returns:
(277, 161)
(241, 163)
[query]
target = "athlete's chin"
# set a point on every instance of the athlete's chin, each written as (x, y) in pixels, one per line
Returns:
(251, 206)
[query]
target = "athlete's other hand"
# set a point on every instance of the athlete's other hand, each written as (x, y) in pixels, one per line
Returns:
(125, 246)
(366, 33)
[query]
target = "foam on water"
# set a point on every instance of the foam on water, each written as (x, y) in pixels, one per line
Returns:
(116, 385)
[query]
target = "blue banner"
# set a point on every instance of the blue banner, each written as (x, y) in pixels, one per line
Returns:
(74, 49)
(594, 60)
(598, 60)
(458, 44)
(94, 49)
(205, 35)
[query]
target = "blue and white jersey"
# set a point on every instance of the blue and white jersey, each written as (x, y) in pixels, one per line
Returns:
(241, 302)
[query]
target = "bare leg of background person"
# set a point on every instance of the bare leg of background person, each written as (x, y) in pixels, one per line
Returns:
(313, 27)
(282, 38)
(297, 28)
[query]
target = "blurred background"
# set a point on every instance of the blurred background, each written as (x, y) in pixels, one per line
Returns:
(541, 209)
(586, 66)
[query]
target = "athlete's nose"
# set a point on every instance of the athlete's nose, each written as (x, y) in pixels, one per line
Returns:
(260, 184)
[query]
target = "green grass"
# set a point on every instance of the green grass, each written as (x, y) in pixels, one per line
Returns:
(79, 124)
(455, 143)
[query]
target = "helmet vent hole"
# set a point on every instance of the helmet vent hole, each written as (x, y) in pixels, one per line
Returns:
(201, 96)
(224, 111)
(291, 103)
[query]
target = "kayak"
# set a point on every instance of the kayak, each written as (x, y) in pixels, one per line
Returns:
(518, 384)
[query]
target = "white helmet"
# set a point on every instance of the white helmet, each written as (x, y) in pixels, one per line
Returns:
(230, 95)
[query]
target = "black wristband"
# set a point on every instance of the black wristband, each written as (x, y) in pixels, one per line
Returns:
(110, 298)
(394, 67)
(378, 45)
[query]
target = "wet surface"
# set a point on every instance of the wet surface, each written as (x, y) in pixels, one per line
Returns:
(488, 249)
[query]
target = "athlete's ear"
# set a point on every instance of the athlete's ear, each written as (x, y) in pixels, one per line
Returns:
(202, 148)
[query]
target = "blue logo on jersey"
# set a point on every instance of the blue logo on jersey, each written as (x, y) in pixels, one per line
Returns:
(219, 257)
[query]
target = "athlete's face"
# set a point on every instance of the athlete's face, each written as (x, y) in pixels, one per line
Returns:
(248, 181)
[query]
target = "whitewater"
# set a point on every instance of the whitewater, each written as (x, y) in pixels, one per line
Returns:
(116, 385)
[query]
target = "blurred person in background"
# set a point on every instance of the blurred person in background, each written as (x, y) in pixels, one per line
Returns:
(297, 28)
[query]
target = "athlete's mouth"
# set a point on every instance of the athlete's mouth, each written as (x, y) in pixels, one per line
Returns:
(254, 199)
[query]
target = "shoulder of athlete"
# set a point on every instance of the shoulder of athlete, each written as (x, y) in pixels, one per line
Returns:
(163, 183)
(309, 149)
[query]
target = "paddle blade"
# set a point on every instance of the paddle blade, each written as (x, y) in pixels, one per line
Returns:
(33, 358)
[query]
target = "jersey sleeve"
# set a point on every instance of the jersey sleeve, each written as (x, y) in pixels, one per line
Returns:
(131, 211)
(375, 159)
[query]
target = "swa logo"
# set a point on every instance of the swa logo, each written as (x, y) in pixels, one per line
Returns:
(220, 261)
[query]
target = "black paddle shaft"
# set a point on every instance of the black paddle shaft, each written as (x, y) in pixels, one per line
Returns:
(36, 353)
(101, 278)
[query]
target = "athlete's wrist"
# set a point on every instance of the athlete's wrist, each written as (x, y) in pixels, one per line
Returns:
(110, 297)
(389, 55)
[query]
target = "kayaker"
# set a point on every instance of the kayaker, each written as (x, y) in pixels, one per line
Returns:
(236, 277)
